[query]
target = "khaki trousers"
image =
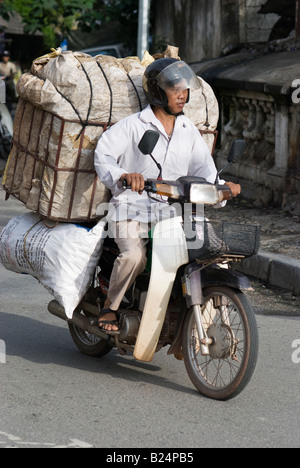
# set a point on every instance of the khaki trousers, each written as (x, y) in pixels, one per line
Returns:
(131, 238)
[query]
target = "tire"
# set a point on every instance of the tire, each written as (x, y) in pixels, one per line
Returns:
(235, 336)
(88, 344)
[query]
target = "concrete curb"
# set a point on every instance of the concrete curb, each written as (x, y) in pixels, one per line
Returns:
(274, 269)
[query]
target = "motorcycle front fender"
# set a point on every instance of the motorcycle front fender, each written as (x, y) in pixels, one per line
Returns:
(218, 276)
(169, 253)
(213, 275)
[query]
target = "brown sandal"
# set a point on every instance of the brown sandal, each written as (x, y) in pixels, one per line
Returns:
(102, 323)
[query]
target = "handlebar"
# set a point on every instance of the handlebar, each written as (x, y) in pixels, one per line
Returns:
(186, 190)
(148, 186)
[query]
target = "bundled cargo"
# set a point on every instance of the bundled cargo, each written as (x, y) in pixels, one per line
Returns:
(63, 259)
(66, 102)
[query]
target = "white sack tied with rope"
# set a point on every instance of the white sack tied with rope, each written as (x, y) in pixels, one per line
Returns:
(63, 259)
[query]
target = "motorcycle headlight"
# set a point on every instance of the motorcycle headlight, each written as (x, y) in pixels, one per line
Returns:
(205, 194)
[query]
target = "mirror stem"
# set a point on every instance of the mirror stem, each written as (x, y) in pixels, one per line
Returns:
(159, 167)
(222, 170)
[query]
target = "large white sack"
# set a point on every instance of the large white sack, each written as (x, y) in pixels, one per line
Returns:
(63, 258)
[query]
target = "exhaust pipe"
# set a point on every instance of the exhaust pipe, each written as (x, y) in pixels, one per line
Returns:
(78, 320)
(57, 310)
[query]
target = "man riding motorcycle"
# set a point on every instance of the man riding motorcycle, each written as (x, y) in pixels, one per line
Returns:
(180, 151)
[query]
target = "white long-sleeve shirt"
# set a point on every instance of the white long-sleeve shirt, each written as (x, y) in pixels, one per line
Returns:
(117, 153)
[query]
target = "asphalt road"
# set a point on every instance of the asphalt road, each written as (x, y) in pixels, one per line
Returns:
(52, 396)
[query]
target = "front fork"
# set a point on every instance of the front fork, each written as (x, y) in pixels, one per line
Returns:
(192, 288)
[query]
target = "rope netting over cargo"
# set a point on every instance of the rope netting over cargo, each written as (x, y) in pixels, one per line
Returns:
(51, 169)
(66, 102)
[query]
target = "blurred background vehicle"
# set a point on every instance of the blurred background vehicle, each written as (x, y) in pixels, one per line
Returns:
(6, 128)
(6, 131)
(114, 50)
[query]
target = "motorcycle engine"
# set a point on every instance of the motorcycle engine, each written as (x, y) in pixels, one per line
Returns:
(129, 325)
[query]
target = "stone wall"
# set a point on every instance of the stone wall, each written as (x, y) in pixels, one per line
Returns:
(193, 26)
(258, 103)
(204, 29)
(271, 128)
(255, 27)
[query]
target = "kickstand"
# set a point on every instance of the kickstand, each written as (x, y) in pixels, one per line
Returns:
(121, 350)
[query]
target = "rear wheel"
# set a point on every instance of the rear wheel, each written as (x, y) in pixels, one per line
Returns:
(230, 322)
(88, 344)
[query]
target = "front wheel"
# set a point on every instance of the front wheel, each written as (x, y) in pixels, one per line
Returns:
(230, 322)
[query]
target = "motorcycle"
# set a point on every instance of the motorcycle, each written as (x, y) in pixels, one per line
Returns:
(6, 132)
(190, 299)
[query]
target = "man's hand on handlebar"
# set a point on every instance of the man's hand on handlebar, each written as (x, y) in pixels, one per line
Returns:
(135, 181)
(235, 188)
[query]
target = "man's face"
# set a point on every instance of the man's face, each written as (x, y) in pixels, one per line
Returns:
(177, 98)
(6, 59)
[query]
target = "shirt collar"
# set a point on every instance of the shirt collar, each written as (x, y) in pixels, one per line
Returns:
(147, 116)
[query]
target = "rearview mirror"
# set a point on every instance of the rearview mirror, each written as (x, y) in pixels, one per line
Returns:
(237, 149)
(147, 145)
(148, 142)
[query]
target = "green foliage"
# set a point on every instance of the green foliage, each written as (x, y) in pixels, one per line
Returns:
(124, 12)
(55, 18)
(5, 9)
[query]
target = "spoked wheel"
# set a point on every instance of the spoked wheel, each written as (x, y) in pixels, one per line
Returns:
(89, 344)
(230, 322)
